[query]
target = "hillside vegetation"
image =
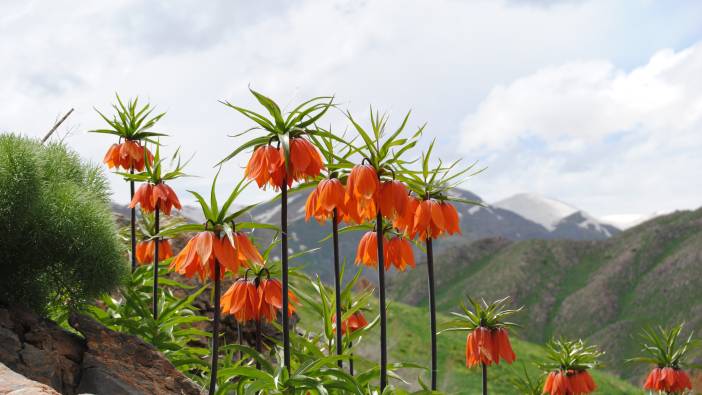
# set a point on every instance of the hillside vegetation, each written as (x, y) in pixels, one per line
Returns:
(408, 329)
(604, 291)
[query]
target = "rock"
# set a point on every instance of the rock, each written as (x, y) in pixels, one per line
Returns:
(116, 363)
(40, 349)
(12, 383)
(103, 362)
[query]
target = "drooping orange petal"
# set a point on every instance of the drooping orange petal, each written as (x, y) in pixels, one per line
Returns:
(205, 241)
(112, 158)
(437, 215)
(548, 384)
(311, 204)
(245, 247)
(164, 250)
(299, 158)
(225, 254)
(451, 218)
(422, 219)
(505, 347)
(142, 254)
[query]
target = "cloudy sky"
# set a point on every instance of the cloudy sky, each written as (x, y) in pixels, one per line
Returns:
(596, 103)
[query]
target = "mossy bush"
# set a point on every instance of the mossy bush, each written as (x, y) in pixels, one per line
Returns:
(58, 241)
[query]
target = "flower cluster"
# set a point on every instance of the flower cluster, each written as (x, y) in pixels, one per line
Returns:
(128, 155)
(397, 252)
(199, 254)
(256, 299)
(145, 251)
(150, 196)
(268, 165)
(569, 382)
(487, 346)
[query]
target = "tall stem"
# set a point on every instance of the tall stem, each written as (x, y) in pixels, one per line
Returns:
(215, 330)
(337, 282)
(485, 381)
(351, 359)
(258, 341)
(157, 240)
(284, 260)
(383, 318)
(239, 339)
(432, 310)
(133, 221)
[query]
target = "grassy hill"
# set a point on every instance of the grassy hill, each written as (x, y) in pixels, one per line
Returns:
(604, 291)
(408, 339)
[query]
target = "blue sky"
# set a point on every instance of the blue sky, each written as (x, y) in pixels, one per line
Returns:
(596, 103)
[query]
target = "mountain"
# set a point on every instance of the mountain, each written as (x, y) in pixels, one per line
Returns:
(544, 211)
(601, 290)
(477, 222)
(562, 220)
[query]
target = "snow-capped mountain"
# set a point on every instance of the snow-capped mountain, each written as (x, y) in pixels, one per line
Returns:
(553, 221)
(560, 219)
(542, 210)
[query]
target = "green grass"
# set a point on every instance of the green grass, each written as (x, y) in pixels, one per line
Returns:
(602, 291)
(408, 339)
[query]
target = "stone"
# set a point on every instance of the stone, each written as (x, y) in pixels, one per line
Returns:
(116, 363)
(43, 354)
(12, 383)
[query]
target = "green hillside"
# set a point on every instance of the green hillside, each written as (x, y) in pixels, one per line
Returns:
(408, 329)
(604, 291)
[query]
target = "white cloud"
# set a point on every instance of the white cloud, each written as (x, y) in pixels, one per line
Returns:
(589, 132)
(578, 103)
(439, 58)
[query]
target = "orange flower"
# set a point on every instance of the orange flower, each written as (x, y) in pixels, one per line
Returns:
(327, 196)
(267, 164)
(305, 160)
(556, 384)
(145, 251)
(362, 191)
(668, 380)
(393, 199)
(398, 252)
(569, 383)
(355, 322)
(581, 382)
(198, 256)
(429, 219)
(367, 251)
(144, 196)
(485, 345)
(127, 155)
(270, 293)
(148, 196)
(405, 222)
(241, 301)
(255, 299)
(351, 214)
(451, 218)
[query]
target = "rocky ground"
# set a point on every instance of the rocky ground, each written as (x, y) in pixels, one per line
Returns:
(43, 358)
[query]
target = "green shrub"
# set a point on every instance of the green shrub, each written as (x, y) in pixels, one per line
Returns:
(58, 241)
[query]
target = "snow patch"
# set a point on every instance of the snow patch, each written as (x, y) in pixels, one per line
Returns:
(593, 224)
(267, 215)
(542, 210)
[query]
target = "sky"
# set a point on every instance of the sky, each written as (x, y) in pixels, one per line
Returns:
(595, 103)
